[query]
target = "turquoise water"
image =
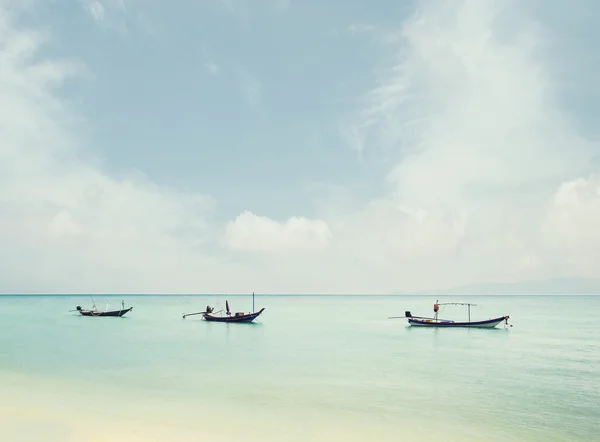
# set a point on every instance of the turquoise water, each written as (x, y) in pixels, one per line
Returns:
(314, 368)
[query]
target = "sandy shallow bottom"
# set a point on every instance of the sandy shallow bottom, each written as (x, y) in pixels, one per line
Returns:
(44, 409)
(35, 423)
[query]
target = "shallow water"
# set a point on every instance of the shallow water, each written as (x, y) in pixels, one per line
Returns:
(314, 368)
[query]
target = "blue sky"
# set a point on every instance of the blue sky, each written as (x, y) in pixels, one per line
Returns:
(286, 146)
(226, 98)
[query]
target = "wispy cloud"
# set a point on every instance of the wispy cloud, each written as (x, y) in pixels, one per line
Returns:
(483, 143)
(251, 88)
(107, 14)
(210, 65)
(117, 15)
(65, 216)
(100, 9)
(96, 11)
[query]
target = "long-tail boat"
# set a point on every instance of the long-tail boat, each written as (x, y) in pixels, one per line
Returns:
(420, 321)
(94, 311)
(228, 317)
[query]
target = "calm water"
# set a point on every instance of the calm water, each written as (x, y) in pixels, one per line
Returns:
(314, 368)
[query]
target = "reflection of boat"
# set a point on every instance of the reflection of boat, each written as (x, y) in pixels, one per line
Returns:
(95, 312)
(436, 322)
(228, 317)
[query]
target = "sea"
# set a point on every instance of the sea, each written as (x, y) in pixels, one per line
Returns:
(312, 368)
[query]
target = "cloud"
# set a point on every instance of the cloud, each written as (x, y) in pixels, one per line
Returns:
(491, 179)
(251, 232)
(99, 10)
(67, 224)
(570, 228)
(253, 93)
(251, 88)
(210, 65)
(121, 17)
(96, 10)
(469, 108)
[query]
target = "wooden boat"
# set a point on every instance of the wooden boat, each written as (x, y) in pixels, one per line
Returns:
(119, 313)
(419, 321)
(489, 323)
(228, 317)
(95, 312)
(237, 317)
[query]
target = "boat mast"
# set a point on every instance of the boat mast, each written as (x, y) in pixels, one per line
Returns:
(252, 301)
(459, 303)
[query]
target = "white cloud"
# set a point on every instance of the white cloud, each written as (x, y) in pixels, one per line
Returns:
(571, 225)
(99, 9)
(115, 15)
(252, 232)
(96, 10)
(63, 224)
(67, 225)
(470, 109)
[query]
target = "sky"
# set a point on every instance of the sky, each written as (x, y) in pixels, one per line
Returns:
(286, 146)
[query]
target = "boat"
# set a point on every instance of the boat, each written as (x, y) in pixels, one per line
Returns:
(237, 317)
(419, 321)
(228, 317)
(94, 311)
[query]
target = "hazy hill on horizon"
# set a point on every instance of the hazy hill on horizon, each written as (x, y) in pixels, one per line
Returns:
(553, 286)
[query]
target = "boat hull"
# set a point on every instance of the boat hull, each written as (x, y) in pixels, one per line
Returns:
(241, 318)
(488, 323)
(114, 313)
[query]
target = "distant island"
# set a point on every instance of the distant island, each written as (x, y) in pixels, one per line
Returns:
(555, 286)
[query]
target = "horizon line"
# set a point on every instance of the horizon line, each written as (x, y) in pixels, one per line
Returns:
(300, 294)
